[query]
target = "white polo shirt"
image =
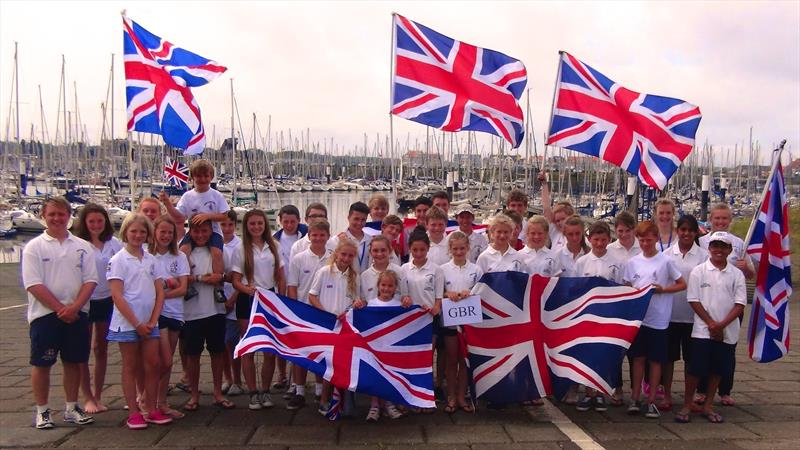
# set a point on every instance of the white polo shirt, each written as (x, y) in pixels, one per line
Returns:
(62, 267)
(623, 253)
(368, 282)
(263, 266)
(228, 252)
(607, 266)
(557, 238)
(383, 303)
(681, 311)
(285, 245)
(718, 291)
(300, 245)
(478, 242)
(330, 285)
(460, 278)
(303, 268)
(138, 286)
(492, 260)
(101, 259)
(566, 261)
(173, 266)
(210, 201)
(541, 262)
(439, 253)
(641, 271)
(201, 305)
(738, 252)
(423, 284)
(362, 256)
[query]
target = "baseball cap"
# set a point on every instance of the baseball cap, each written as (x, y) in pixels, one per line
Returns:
(720, 236)
(466, 207)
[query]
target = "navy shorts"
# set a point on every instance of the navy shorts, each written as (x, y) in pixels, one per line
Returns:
(231, 331)
(244, 303)
(440, 330)
(100, 310)
(679, 335)
(208, 331)
(711, 357)
(215, 240)
(169, 323)
(650, 343)
(51, 336)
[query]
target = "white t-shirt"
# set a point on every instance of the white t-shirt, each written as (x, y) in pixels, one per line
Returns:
(101, 259)
(383, 303)
(368, 282)
(138, 286)
(492, 260)
(541, 262)
(362, 256)
(263, 266)
(718, 291)
(330, 285)
(285, 245)
(660, 269)
(302, 269)
(607, 266)
(423, 284)
(566, 261)
(210, 201)
(228, 252)
(681, 311)
(460, 278)
(62, 267)
(623, 253)
(201, 305)
(439, 253)
(173, 266)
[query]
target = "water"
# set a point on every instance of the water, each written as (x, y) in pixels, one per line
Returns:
(338, 203)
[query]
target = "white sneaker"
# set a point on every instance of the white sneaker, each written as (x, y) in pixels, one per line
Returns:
(42, 421)
(225, 387)
(235, 390)
(652, 411)
(255, 402)
(78, 416)
(266, 400)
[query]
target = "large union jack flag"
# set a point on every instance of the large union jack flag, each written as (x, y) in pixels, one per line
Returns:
(768, 335)
(448, 84)
(539, 334)
(385, 352)
(176, 173)
(647, 135)
(158, 77)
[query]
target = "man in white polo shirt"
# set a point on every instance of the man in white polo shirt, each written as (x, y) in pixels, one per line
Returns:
(59, 273)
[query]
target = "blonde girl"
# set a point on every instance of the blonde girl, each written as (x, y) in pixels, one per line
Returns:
(665, 221)
(380, 252)
(500, 256)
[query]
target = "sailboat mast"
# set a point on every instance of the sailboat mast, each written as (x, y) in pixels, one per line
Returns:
(233, 146)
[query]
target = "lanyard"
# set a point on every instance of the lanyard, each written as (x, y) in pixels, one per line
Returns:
(668, 242)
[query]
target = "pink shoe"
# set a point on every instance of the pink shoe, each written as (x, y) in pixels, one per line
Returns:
(645, 389)
(158, 418)
(660, 392)
(136, 422)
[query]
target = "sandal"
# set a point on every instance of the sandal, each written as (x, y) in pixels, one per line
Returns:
(374, 414)
(699, 398)
(190, 406)
(450, 408)
(683, 416)
(184, 387)
(174, 413)
(224, 404)
(467, 408)
(664, 406)
(713, 417)
(727, 400)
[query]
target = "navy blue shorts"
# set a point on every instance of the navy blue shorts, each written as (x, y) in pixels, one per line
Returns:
(215, 240)
(51, 336)
(208, 331)
(100, 310)
(711, 357)
(244, 303)
(231, 331)
(650, 343)
(169, 323)
(679, 335)
(440, 330)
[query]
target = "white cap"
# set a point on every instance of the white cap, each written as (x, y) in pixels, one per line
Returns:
(720, 236)
(466, 207)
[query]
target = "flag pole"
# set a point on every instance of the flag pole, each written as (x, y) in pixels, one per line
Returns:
(553, 104)
(393, 43)
(767, 185)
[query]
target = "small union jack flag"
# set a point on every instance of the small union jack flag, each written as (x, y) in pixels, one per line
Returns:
(647, 135)
(539, 335)
(176, 173)
(451, 85)
(380, 351)
(768, 335)
(158, 81)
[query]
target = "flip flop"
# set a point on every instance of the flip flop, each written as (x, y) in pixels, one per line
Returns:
(699, 399)
(224, 404)
(727, 400)
(467, 408)
(190, 406)
(450, 408)
(713, 417)
(683, 416)
(184, 387)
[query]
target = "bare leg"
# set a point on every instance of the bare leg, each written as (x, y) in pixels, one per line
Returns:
(72, 380)
(248, 363)
(267, 371)
(193, 369)
(40, 383)
(217, 361)
(152, 372)
(638, 374)
(666, 378)
(100, 347)
(130, 368)
(167, 343)
(655, 377)
(451, 370)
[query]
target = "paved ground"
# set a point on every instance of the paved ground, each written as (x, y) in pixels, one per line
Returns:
(767, 414)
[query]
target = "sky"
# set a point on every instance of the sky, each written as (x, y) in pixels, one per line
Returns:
(325, 66)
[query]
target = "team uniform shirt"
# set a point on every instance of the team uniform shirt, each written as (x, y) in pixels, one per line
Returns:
(383, 303)
(439, 253)
(303, 268)
(62, 267)
(330, 285)
(173, 266)
(300, 245)
(622, 253)
(394, 258)
(101, 259)
(660, 269)
(362, 256)
(681, 311)
(540, 262)
(557, 239)
(210, 201)
(201, 305)
(607, 266)
(263, 266)
(138, 287)
(566, 261)
(523, 235)
(460, 278)
(423, 284)
(285, 245)
(492, 260)
(738, 252)
(368, 280)
(478, 242)
(228, 252)
(718, 291)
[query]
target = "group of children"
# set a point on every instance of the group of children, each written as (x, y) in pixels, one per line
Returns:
(156, 290)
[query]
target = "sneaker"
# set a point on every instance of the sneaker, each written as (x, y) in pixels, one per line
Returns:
(374, 414)
(43, 420)
(255, 402)
(634, 407)
(390, 411)
(599, 403)
(652, 411)
(281, 384)
(158, 418)
(323, 409)
(225, 387)
(289, 394)
(266, 400)
(585, 404)
(297, 402)
(235, 390)
(136, 422)
(78, 416)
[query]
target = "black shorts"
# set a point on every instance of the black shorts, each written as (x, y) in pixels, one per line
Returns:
(711, 357)
(244, 303)
(100, 310)
(679, 335)
(169, 323)
(208, 331)
(440, 330)
(650, 343)
(51, 336)
(215, 241)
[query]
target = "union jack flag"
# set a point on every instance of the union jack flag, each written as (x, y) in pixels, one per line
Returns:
(176, 173)
(158, 78)
(380, 351)
(541, 334)
(768, 335)
(451, 85)
(647, 135)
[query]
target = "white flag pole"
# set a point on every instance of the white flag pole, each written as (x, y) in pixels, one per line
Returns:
(777, 160)
(393, 43)
(553, 105)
